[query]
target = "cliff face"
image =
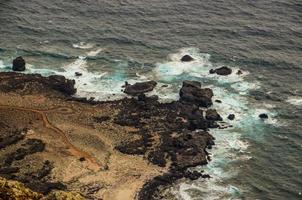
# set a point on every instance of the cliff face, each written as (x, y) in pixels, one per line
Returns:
(113, 150)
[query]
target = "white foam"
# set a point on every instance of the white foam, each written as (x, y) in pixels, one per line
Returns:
(94, 53)
(83, 45)
(91, 84)
(297, 101)
(198, 67)
(2, 66)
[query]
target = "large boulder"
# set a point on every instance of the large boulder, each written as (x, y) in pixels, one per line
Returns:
(139, 88)
(18, 64)
(192, 93)
(187, 58)
(224, 71)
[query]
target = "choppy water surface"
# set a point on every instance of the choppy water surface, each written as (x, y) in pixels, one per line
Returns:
(115, 41)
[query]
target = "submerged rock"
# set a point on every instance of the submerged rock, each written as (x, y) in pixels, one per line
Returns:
(19, 64)
(192, 93)
(187, 58)
(263, 116)
(224, 71)
(140, 88)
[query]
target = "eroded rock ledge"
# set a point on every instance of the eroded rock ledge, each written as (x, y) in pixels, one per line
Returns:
(172, 135)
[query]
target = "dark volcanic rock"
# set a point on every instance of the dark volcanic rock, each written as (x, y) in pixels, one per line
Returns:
(101, 119)
(78, 74)
(231, 117)
(11, 81)
(263, 116)
(193, 94)
(139, 88)
(187, 58)
(212, 115)
(193, 175)
(239, 72)
(19, 64)
(224, 71)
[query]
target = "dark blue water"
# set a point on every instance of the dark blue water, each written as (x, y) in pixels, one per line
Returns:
(114, 41)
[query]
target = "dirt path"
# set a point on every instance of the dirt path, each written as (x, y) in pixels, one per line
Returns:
(93, 164)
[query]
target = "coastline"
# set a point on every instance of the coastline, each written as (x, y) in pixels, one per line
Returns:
(125, 142)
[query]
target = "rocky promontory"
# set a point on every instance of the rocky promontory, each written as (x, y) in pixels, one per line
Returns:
(122, 149)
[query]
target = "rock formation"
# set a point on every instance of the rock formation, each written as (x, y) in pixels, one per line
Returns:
(18, 64)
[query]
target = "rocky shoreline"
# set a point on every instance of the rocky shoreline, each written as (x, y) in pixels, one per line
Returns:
(172, 136)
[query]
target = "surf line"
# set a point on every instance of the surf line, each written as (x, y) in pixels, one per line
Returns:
(47, 124)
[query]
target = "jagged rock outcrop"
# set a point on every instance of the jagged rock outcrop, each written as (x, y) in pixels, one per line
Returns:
(11, 81)
(192, 93)
(213, 115)
(224, 71)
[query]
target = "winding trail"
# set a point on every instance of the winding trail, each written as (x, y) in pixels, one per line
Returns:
(93, 164)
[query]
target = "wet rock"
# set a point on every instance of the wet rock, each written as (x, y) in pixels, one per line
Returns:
(212, 71)
(193, 175)
(193, 94)
(186, 58)
(231, 117)
(139, 88)
(78, 74)
(206, 176)
(224, 71)
(239, 72)
(18, 64)
(218, 101)
(263, 116)
(213, 115)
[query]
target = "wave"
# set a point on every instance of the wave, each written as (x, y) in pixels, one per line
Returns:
(296, 101)
(83, 45)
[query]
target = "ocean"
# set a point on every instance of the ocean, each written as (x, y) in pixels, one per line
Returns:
(111, 42)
